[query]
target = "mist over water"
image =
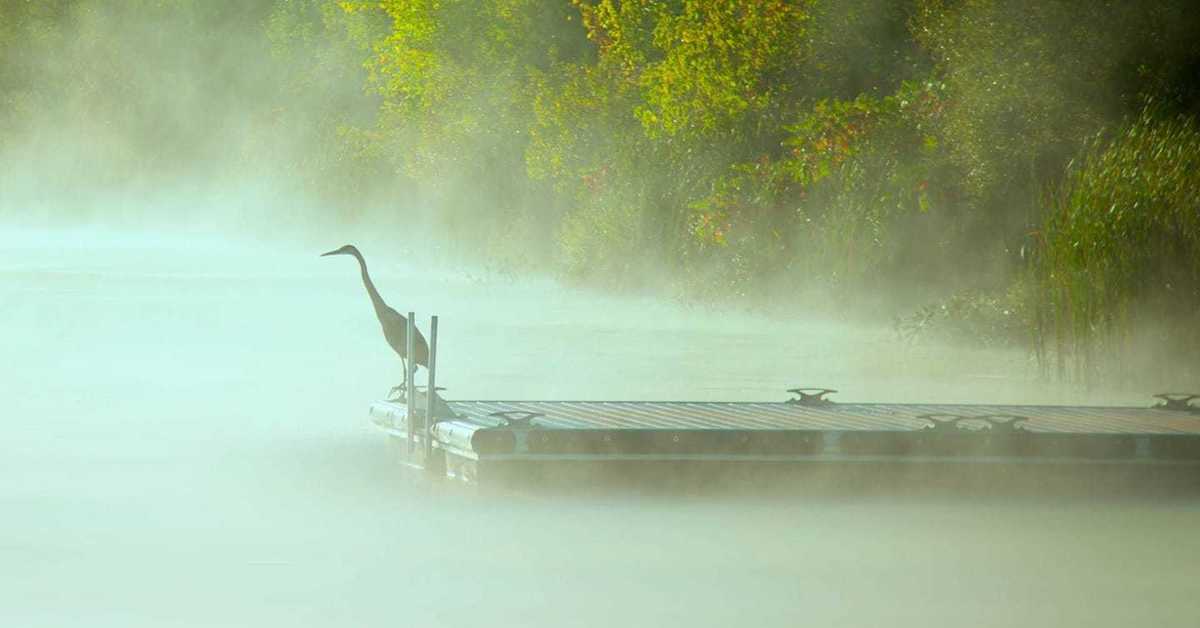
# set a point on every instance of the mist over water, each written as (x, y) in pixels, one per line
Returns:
(184, 383)
(186, 444)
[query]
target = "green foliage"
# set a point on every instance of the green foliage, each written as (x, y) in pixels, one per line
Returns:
(843, 205)
(676, 94)
(732, 149)
(598, 159)
(1028, 80)
(860, 47)
(1121, 246)
(720, 61)
(973, 318)
(453, 80)
(321, 121)
(1024, 83)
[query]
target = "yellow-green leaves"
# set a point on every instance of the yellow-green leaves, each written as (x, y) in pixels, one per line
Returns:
(701, 65)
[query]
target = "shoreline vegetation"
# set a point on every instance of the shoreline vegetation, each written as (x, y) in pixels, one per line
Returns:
(1000, 173)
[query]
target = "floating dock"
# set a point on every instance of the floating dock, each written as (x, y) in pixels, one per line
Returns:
(482, 441)
(497, 441)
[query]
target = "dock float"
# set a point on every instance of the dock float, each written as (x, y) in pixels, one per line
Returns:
(480, 441)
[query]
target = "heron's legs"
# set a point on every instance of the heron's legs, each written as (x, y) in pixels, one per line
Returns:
(396, 393)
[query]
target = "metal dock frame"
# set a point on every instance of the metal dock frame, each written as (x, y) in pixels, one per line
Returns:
(420, 409)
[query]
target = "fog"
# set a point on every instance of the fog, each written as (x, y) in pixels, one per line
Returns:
(186, 444)
(184, 383)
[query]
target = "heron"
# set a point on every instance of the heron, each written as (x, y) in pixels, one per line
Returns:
(395, 325)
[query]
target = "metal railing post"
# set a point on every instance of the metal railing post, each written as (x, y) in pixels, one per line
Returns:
(431, 389)
(411, 370)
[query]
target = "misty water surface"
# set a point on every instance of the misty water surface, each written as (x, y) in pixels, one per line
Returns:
(185, 444)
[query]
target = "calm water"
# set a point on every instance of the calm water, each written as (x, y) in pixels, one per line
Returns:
(185, 444)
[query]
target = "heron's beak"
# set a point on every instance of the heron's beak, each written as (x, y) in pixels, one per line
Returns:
(334, 252)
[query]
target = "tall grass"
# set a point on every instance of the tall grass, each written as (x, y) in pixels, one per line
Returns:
(1118, 274)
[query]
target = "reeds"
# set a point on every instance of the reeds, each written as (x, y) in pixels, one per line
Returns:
(1120, 255)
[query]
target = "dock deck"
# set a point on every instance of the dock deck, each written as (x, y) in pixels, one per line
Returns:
(475, 435)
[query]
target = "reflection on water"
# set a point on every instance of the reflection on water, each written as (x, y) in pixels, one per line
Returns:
(185, 443)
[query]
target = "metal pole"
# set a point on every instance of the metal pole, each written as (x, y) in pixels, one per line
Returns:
(409, 389)
(430, 389)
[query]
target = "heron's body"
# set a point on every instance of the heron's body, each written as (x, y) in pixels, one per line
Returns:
(394, 324)
(395, 331)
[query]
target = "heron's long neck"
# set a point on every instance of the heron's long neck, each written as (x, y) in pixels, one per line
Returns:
(376, 300)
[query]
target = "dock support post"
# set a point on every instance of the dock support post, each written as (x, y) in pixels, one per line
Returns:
(430, 390)
(409, 389)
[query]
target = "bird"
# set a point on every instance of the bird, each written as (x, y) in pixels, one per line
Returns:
(395, 325)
